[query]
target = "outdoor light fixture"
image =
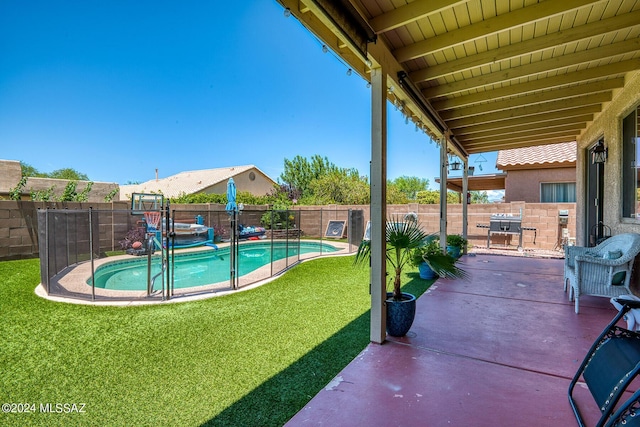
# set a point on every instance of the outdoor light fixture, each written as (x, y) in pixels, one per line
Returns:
(455, 165)
(287, 12)
(600, 153)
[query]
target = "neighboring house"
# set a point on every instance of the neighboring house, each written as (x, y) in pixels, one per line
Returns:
(541, 174)
(209, 181)
(11, 174)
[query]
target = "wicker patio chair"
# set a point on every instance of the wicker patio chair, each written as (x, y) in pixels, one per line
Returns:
(610, 366)
(604, 270)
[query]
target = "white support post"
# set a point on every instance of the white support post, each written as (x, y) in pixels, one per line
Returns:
(465, 206)
(378, 204)
(443, 193)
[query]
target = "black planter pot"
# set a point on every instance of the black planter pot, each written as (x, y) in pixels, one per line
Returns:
(400, 314)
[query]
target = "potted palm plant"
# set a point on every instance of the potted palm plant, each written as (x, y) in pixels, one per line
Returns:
(455, 244)
(433, 262)
(403, 239)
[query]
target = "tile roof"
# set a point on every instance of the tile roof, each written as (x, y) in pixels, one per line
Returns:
(188, 182)
(550, 154)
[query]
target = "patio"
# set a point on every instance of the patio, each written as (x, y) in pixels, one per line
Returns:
(497, 350)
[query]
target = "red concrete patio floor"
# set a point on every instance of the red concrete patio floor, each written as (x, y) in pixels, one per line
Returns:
(497, 350)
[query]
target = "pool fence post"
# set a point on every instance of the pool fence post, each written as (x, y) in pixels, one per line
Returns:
(298, 233)
(349, 224)
(286, 238)
(149, 243)
(93, 275)
(271, 260)
(232, 250)
(173, 252)
(46, 248)
(164, 251)
(321, 236)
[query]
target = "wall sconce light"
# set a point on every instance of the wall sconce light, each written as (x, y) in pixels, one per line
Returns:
(455, 165)
(600, 153)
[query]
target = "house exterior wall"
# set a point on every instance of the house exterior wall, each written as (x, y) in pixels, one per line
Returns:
(258, 186)
(524, 184)
(608, 125)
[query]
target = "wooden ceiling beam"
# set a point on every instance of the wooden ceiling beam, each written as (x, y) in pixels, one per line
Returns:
(530, 110)
(532, 99)
(528, 143)
(586, 75)
(470, 124)
(487, 27)
(531, 69)
(527, 47)
(574, 128)
(566, 135)
(466, 134)
(409, 13)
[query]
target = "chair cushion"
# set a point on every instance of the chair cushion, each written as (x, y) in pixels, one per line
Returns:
(618, 278)
(612, 255)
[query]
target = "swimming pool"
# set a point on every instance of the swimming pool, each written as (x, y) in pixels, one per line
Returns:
(203, 267)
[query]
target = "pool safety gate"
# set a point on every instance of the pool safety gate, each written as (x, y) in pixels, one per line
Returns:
(70, 237)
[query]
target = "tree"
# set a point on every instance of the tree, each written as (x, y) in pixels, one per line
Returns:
(342, 187)
(479, 197)
(395, 196)
(65, 173)
(299, 172)
(16, 192)
(68, 173)
(432, 197)
(28, 170)
(410, 185)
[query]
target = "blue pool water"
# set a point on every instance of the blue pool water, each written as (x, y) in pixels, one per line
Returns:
(200, 268)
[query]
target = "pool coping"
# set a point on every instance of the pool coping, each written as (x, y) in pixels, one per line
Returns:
(72, 281)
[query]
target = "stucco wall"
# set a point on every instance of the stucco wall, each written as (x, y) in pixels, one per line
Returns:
(524, 185)
(609, 125)
(11, 174)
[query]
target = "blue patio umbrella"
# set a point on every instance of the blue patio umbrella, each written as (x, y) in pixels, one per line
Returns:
(231, 196)
(232, 210)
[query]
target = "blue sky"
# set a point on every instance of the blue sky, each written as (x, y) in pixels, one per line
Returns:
(117, 89)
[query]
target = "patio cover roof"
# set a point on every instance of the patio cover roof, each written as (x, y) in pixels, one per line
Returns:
(486, 74)
(484, 182)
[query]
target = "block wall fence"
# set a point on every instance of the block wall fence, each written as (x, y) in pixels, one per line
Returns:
(19, 222)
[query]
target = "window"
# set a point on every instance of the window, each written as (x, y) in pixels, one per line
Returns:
(558, 192)
(630, 157)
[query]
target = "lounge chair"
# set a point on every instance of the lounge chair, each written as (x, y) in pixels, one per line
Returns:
(610, 366)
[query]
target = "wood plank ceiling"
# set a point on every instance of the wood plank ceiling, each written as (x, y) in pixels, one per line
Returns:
(490, 74)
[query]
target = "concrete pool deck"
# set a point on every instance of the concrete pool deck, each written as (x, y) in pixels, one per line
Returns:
(71, 286)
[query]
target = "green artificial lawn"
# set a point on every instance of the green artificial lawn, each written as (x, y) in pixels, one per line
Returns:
(253, 358)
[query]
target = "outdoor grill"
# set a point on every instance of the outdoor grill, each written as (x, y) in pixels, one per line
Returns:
(506, 224)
